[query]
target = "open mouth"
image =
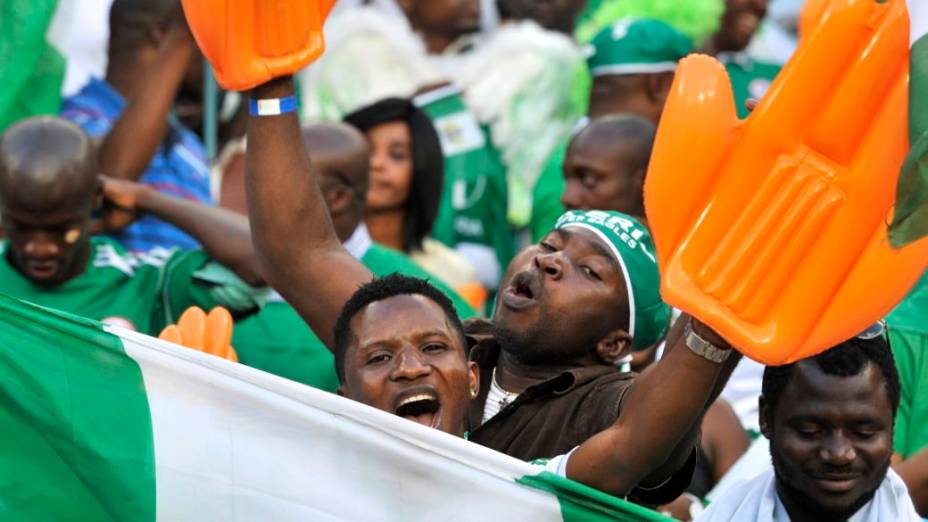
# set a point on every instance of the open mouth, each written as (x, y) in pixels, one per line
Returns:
(422, 407)
(522, 292)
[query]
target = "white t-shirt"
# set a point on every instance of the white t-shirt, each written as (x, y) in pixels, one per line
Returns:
(756, 500)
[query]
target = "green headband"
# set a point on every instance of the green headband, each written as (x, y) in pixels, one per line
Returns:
(630, 242)
(637, 46)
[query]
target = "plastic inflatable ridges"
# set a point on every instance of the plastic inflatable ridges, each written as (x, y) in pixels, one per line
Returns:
(280, 27)
(791, 208)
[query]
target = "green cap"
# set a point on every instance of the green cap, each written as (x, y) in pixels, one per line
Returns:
(637, 46)
(633, 248)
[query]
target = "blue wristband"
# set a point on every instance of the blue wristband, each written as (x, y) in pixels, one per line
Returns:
(272, 106)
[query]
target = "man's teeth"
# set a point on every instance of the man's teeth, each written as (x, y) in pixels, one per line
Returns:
(415, 398)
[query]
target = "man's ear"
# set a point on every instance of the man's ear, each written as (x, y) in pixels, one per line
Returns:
(339, 199)
(614, 346)
(763, 417)
(473, 380)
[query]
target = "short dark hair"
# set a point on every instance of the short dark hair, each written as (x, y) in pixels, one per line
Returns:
(428, 163)
(845, 360)
(383, 288)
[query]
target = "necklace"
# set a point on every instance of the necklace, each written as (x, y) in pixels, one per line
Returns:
(505, 398)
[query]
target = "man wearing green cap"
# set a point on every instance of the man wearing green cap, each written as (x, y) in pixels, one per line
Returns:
(632, 63)
(569, 307)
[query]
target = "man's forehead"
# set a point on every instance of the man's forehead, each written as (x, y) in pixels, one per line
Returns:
(811, 389)
(401, 316)
(588, 239)
(597, 150)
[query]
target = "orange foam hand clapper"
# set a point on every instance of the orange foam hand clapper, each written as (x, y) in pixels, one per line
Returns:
(210, 333)
(249, 42)
(772, 230)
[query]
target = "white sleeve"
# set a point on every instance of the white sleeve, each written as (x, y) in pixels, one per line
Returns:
(558, 465)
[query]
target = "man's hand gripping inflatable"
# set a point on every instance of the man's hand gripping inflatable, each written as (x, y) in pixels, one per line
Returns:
(772, 230)
(249, 42)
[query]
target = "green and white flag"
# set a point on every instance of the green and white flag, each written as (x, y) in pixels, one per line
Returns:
(910, 221)
(101, 423)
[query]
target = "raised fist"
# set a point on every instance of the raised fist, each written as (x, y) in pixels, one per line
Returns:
(249, 42)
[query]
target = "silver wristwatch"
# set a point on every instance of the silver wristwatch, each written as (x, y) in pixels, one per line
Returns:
(702, 347)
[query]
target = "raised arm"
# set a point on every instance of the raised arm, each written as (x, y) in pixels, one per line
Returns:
(298, 251)
(224, 234)
(130, 145)
(657, 428)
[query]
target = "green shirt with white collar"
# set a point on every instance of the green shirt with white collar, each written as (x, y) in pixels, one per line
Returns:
(141, 291)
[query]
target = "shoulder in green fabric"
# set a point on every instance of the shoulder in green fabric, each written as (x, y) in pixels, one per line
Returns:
(473, 201)
(912, 313)
(383, 261)
(140, 291)
(116, 287)
(31, 69)
(278, 341)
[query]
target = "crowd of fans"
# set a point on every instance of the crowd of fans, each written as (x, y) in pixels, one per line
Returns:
(452, 229)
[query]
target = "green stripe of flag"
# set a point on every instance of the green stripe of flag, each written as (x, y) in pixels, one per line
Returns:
(580, 503)
(76, 431)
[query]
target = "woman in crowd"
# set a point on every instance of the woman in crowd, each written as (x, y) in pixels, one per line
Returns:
(406, 178)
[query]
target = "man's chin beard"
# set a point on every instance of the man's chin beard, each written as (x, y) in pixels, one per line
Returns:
(529, 350)
(809, 503)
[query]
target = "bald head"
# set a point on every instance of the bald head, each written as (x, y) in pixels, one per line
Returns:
(45, 163)
(339, 152)
(625, 135)
(606, 163)
(48, 188)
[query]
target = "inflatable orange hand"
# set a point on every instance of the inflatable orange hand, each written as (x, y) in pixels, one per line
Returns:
(249, 42)
(772, 230)
(205, 333)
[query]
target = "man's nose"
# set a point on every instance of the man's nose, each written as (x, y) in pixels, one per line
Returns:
(41, 245)
(409, 364)
(572, 198)
(550, 263)
(838, 450)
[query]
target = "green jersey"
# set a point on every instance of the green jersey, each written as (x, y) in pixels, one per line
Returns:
(908, 334)
(277, 340)
(546, 196)
(472, 210)
(144, 292)
(749, 78)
